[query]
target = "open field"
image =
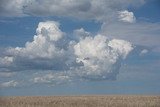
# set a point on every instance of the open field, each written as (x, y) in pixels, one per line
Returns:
(81, 101)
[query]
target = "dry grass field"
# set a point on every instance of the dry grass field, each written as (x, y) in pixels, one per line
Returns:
(81, 101)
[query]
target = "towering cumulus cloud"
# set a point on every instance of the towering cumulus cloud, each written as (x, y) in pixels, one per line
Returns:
(44, 52)
(87, 57)
(44, 43)
(100, 57)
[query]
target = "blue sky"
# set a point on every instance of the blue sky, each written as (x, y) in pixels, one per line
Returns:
(79, 47)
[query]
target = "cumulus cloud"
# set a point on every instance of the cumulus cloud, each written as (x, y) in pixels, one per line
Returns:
(100, 57)
(46, 51)
(126, 16)
(80, 34)
(87, 57)
(44, 43)
(11, 83)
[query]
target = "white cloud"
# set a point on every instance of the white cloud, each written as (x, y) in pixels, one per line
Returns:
(121, 47)
(11, 83)
(143, 52)
(51, 78)
(6, 61)
(49, 29)
(48, 50)
(127, 16)
(87, 57)
(80, 33)
(97, 58)
(44, 43)
(100, 57)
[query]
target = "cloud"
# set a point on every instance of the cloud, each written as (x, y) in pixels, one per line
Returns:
(80, 33)
(7, 74)
(84, 9)
(141, 33)
(51, 78)
(12, 8)
(126, 16)
(11, 83)
(6, 61)
(46, 51)
(143, 52)
(87, 57)
(112, 13)
(100, 57)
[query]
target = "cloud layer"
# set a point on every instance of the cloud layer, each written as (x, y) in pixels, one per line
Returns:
(84, 9)
(85, 57)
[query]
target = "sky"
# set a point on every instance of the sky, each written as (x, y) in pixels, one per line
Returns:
(86, 47)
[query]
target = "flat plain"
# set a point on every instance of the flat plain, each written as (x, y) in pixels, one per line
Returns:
(81, 101)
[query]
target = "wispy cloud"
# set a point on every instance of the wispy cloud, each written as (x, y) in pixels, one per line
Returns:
(7, 74)
(11, 83)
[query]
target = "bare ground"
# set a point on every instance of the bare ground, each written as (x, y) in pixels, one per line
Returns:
(81, 101)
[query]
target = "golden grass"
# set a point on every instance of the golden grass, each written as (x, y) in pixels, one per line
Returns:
(81, 101)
